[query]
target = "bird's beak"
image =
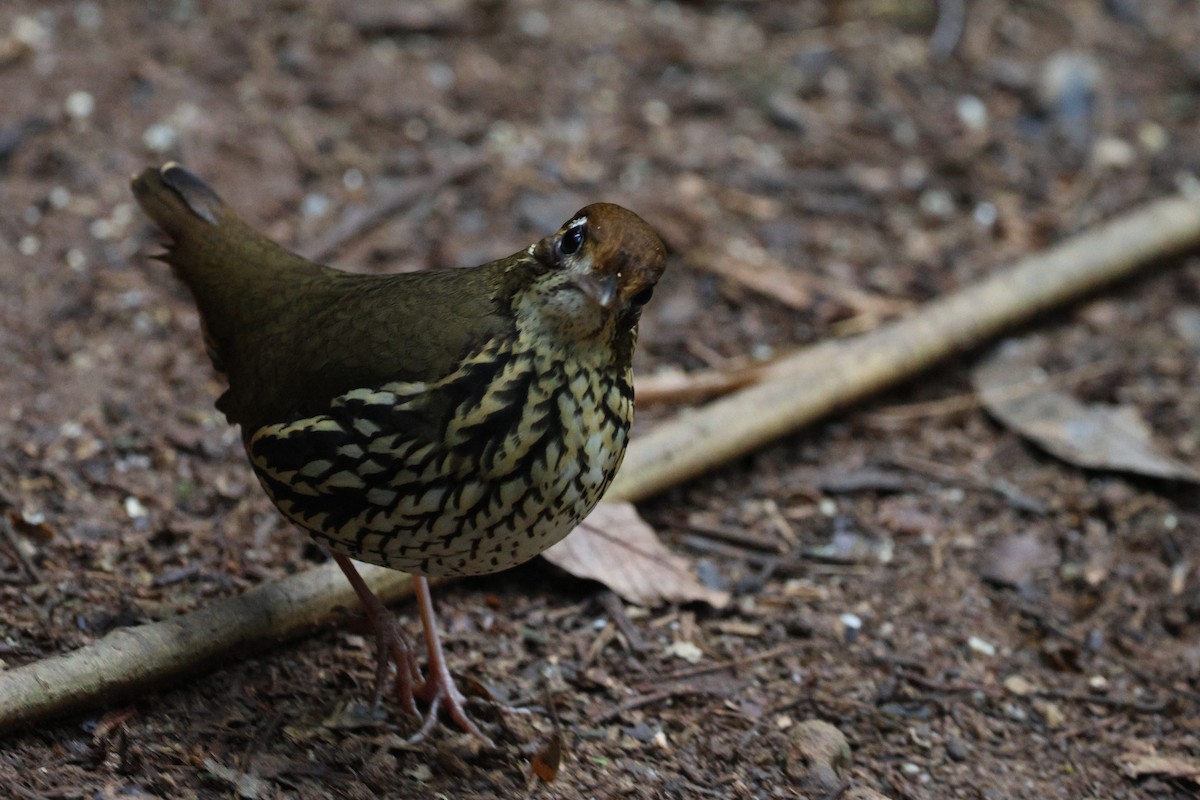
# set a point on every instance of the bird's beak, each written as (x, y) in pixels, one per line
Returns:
(601, 288)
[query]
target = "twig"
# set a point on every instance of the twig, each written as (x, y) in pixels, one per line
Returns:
(616, 609)
(806, 387)
(648, 699)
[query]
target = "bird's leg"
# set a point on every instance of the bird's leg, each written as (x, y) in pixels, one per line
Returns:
(439, 690)
(390, 639)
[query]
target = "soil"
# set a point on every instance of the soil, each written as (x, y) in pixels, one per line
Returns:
(976, 618)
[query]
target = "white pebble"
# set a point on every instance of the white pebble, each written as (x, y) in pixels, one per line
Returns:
(980, 646)
(101, 229)
(937, 203)
(29, 245)
(315, 205)
(80, 104)
(852, 621)
(985, 215)
(60, 196)
(159, 137)
(76, 260)
(972, 112)
(29, 32)
(134, 508)
(1113, 152)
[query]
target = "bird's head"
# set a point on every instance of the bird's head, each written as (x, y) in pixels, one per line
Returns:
(598, 270)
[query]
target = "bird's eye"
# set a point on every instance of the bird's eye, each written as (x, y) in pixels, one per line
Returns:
(643, 297)
(572, 240)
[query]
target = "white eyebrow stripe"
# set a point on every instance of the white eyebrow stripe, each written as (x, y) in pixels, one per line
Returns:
(575, 223)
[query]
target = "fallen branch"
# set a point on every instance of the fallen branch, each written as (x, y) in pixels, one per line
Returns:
(799, 390)
(129, 661)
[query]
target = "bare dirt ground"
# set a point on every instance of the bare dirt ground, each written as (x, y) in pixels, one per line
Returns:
(1028, 629)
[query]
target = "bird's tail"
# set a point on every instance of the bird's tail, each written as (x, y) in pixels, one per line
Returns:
(178, 201)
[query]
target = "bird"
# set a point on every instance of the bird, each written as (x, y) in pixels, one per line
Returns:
(441, 423)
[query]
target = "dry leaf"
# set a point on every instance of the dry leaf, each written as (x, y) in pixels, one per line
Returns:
(1140, 764)
(1015, 391)
(616, 547)
(545, 762)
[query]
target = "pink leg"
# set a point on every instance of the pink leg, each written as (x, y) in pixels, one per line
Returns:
(439, 690)
(390, 639)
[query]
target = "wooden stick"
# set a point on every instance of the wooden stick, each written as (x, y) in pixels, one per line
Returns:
(131, 661)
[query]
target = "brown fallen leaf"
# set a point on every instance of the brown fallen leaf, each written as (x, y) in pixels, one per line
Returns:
(1014, 389)
(616, 547)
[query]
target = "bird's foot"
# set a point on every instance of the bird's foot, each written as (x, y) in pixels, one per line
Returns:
(439, 693)
(392, 646)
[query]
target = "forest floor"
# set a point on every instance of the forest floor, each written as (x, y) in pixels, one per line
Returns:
(977, 618)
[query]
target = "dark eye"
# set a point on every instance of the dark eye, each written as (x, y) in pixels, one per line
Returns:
(643, 297)
(572, 240)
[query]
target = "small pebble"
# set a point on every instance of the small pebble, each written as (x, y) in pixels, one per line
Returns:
(985, 215)
(134, 508)
(1113, 152)
(1051, 713)
(29, 245)
(1152, 137)
(687, 651)
(159, 137)
(80, 105)
(60, 196)
(315, 205)
(76, 260)
(1016, 684)
(980, 646)
(29, 32)
(937, 203)
(972, 112)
